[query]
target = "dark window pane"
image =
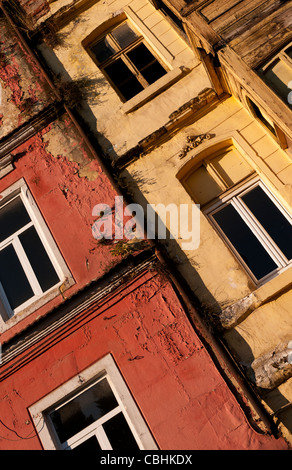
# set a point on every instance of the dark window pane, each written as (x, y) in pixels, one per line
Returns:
(102, 50)
(272, 220)
(123, 79)
(118, 72)
(289, 51)
(13, 216)
(261, 117)
(83, 410)
(119, 434)
(244, 241)
(146, 63)
(124, 35)
(153, 72)
(130, 88)
(141, 56)
(89, 445)
(38, 258)
(13, 278)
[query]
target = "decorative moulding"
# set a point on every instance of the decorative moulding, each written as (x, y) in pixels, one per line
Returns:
(194, 141)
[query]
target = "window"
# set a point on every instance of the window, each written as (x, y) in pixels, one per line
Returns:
(257, 228)
(262, 116)
(93, 420)
(277, 73)
(99, 415)
(244, 212)
(28, 268)
(216, 174)
(174, 20)
(126, 60)
(267, 122)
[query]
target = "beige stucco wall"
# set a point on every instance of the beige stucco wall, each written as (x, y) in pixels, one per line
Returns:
(153, 179)
(117, 129)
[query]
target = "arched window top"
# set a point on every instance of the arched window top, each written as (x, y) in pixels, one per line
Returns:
(214, 169)
(104, 27)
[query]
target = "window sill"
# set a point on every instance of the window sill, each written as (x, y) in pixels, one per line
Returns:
(8, 323)
(275, 286)
(155, 89)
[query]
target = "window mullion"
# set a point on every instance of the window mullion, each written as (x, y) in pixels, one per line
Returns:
(103, 439)
(135, 71)
(92, 429)
(23, 259)
(10, 239)
(120, 52)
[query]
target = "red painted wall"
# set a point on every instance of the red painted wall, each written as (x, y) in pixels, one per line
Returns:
(65, 199)
(180, 393)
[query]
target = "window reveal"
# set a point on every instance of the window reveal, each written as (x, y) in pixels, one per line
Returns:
(127, 62)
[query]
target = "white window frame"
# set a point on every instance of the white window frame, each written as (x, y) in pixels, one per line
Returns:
(105, 367)
(233, 197)
(20, 189)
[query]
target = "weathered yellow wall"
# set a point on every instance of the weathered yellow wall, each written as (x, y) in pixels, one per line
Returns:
(213, 261)
(116, 129)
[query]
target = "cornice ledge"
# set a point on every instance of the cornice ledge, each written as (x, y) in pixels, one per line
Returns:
(190, 109)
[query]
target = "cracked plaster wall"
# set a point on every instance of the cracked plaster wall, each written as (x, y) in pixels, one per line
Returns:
(66, 183)
(24, 90)
(181, 394)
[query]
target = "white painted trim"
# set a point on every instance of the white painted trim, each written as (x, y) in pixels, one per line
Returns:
(20, 189)
(105, 366)
(233, 198)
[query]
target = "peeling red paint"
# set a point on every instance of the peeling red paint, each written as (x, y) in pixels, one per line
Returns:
(66, 201)
(22, 79)
(178, 390)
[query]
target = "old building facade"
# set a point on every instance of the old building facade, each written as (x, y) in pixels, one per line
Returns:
(175, 103)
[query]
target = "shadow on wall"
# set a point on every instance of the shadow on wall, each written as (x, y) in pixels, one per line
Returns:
(79, 95)
(205, 301)
(209, 308)
(281, 407)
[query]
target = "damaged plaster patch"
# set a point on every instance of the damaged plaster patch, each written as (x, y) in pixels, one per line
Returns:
(231, 315)
(63, 141)
(271, 369)
(25, 91)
